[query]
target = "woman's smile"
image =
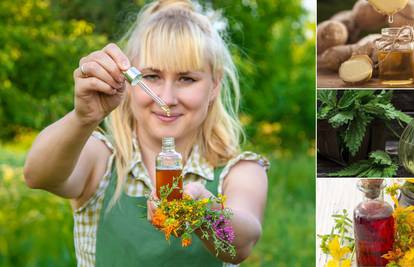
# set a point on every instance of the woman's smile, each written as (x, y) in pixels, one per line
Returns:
(167, 119)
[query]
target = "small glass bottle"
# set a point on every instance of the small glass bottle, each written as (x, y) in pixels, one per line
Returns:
(168, 168)
(395, 60)
(406, 197)
(373, 225)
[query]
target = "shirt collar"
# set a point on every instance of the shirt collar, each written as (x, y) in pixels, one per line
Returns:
(196, 163)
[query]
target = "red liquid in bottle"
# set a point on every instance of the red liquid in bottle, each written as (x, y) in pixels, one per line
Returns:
(165, 177)
(374, 233)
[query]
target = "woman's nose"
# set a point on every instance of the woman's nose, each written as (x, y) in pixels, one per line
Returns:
(167, 93)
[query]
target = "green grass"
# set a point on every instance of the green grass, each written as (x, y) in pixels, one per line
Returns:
(289, 226)
(36, 227)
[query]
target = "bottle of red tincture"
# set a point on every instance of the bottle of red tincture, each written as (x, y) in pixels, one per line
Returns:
(373, 225)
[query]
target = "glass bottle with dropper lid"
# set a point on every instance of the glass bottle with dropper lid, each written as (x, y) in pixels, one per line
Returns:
(168, 169)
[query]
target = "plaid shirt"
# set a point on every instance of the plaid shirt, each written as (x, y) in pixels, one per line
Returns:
(138, 182)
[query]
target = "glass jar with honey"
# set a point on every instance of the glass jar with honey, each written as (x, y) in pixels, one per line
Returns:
(395, 56)
(168, 170)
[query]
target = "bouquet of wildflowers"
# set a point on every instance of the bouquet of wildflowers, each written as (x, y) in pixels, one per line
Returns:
(181, 217)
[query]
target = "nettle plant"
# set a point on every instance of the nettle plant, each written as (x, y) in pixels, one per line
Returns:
(352, 111)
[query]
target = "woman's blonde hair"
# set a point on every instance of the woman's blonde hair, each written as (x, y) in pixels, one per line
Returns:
(171, 35)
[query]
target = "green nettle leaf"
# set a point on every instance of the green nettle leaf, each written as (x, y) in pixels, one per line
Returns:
(353, 170)
(375, 110)
(389, 111)
(356, 131)
(347, 99)
(324, 112)
(341, 118)
(390, 171)
(364, 95)
(380, 157)
(404, 117)
(385, 96)
(327, 97)
(378, 165)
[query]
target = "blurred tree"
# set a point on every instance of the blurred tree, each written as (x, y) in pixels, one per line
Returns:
(273, 48)
(38, 53)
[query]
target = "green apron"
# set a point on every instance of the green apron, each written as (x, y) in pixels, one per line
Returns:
(126, 238)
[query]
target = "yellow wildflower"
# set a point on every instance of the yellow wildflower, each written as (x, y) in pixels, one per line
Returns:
(408, 259)
(392, 190)
(337, 263)
(335, 249)
(346, 263)
(410, 180)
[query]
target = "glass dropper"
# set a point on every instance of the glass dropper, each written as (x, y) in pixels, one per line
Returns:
(134, 76)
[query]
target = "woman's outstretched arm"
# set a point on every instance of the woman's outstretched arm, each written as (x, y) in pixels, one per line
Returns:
(245, 188)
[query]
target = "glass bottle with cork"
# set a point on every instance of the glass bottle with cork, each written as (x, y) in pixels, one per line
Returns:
(373, 224)
(395, 56)
(168, 169)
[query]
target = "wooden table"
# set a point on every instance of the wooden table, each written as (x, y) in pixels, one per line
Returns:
(326, 166)
(332, 196)
(330, 79)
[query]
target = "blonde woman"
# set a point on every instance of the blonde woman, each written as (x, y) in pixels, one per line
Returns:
(186, 62)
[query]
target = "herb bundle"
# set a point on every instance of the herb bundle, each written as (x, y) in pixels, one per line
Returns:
(182, 217)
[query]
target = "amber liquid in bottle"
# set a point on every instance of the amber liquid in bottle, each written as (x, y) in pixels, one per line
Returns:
(374, 231)
(168, 169)
(396, 68)
(166, 177)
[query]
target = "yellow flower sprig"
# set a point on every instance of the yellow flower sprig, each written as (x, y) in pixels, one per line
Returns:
(402, 254)
(339, 245)
(338, 254)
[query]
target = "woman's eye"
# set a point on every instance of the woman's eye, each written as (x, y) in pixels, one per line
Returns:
(151, 77)
(186, 79)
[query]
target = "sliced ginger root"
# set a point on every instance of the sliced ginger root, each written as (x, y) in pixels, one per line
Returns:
(388, 7)
(357, 69)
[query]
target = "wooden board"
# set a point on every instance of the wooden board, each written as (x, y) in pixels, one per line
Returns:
(329, 79)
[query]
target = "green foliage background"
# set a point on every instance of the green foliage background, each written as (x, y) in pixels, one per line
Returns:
(41, 42)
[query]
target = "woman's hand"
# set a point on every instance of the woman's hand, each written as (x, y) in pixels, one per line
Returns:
(196, 191)
(99, 83)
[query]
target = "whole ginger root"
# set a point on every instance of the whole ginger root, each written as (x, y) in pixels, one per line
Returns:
(331, 33)
(333, 57)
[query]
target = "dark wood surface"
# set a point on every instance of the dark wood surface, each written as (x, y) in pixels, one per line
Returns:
(326, 166)
(329, 79)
